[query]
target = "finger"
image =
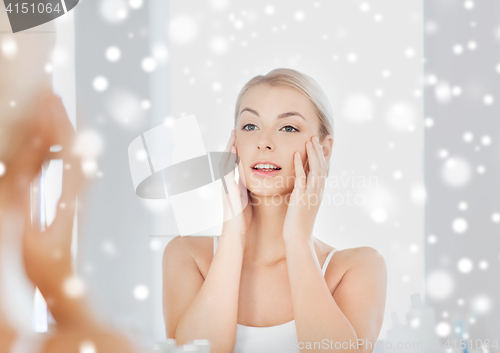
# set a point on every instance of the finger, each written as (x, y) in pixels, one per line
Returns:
(243, 192)
(231, 196)
(233, 186)
(312, 178)
(322, 167)
(225, 159)
(300, 175)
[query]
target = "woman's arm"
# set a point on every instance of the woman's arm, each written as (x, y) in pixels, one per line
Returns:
(197, 309)
(352, 316)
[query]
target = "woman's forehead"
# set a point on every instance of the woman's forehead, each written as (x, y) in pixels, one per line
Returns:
(276, 98)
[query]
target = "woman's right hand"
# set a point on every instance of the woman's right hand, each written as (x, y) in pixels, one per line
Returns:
(236, 198)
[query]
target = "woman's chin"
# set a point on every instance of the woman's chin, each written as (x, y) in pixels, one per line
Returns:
(270, 192)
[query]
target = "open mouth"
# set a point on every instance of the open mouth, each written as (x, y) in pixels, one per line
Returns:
(266, 167)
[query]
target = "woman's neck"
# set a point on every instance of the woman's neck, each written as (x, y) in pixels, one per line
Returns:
(264, 240)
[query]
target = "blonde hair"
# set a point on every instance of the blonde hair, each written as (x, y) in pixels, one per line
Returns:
(305, 85)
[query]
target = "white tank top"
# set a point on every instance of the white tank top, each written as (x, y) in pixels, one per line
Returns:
(272, 339)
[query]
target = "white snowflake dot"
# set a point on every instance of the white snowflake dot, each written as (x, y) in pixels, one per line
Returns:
(74, 287)
(364, 7)
(269, 10)
(443, 329)
(145, 104)
(469, 4)
(459, 225)
(488, 99)
(443, 153)
(486, 140)
(483, 265)
(87, 346)
(465, 265)
(141, 292)
(113, 54)
(456, 90)
(468, 137)
(415, 322)
(431, 79)
(148, 64)
(352, 57)
(216, 86)
(135, 4)
(239, 24)
(299, 16)
(410, 52)
(458, 49)
(100, 83)
(432, 239)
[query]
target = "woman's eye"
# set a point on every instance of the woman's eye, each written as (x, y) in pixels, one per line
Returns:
(289, 128)
(249, 127)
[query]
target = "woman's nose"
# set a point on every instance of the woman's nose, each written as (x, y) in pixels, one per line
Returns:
(265, 144)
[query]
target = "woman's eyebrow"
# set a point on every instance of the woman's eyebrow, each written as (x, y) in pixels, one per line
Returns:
(281, 116)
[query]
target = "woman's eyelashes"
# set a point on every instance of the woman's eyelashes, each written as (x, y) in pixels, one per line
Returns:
(251, 127)
(287, 128)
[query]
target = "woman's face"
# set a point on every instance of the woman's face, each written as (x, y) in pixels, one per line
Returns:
(273, 124)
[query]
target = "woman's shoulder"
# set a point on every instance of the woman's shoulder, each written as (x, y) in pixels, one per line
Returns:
(349, 257)
(361, 258)
(197, 248)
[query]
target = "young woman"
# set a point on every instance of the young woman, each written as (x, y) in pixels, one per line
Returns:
(268, 284)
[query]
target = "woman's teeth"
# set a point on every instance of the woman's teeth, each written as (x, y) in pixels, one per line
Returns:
(266, 167)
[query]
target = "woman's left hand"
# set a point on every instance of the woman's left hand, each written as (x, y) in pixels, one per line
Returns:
(307, 193)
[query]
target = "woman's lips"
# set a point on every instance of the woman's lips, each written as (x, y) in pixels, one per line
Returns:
(264, 173)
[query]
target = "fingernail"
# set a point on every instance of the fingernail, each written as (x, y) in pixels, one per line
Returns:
(233, 132)
(316, 138)
(297, 154)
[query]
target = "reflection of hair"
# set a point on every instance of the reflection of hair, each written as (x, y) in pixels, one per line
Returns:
(301, 82)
